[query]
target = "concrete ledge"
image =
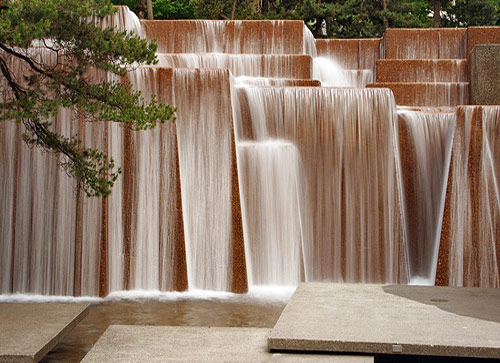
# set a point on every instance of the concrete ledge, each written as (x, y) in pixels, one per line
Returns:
(422, 70)
(440, 321)
(222, 36)
(29, 331)
(428, 43)
(350, 53)
(121, 343)
(433, 94)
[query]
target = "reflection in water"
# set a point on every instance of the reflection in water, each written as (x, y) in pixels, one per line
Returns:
(188, 313)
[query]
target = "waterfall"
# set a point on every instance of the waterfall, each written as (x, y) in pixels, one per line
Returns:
(425, 149)
(269, 173)
(276, 66)
(280, 168)
(473, 203)
(331, 74)
(348, 193)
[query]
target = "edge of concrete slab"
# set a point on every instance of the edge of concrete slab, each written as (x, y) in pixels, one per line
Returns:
(56, 339)
(291, 345)
(137, 343)
(300, 329)
(36, 353)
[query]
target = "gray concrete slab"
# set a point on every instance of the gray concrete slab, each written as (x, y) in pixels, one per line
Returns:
(413, 320)
(127, 343)
(29, 331)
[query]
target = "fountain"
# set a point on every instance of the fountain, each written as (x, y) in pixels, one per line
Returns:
(280, 168)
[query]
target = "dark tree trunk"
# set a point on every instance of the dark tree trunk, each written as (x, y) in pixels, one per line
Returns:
(265, 6)
(386, 22)
(437, 13)
(233, 9)
(150, 9)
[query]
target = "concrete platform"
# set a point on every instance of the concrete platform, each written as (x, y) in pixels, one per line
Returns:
(410, 320)
(29, 331)
(127, 343)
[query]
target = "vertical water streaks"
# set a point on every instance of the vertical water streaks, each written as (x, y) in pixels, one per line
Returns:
(145, 217)
(124, 19)
(9, 139)
(153, 247)
(269, 172)
(235, 37)
(425, 148)
(468, 254)
(206, 152)
(254, 65)
(331, 74)
(309, 42)
(349, 208)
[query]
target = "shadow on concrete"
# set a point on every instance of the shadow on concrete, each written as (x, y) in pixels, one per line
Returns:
(479, 303)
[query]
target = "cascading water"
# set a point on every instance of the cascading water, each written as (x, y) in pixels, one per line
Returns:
(331, 74)
(264, 180)
(269, 173)
(473, 206)
(348, 193)
(425, 148)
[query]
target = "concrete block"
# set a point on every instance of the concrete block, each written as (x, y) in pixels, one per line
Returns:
(430, 43)
(431, 94)
(482, 35)
(369, 52)
(350, 53)
(29, 331)
(121, 343)
(485, 75)
(413, 320)
(452, 43)
(254, 65)
(343, 51)
(220, 36)
(422, 70)
(411, 43)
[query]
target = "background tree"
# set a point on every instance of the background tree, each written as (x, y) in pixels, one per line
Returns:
(472, 13)
(75, 46)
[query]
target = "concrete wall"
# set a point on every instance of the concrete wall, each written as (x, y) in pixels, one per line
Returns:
(485, 74)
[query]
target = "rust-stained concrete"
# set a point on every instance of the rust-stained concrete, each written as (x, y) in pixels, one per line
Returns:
(422, 70)
(426, 94)
(245, 36)
(470, 236)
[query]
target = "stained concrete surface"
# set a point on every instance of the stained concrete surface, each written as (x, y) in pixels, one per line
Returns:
(439, 321)
(29, 331)
(485, 73)
(126, 343)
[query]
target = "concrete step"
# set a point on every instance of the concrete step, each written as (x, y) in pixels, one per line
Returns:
(350, 53)
(29, 331)
(409, 320)
(422, 70)
(433, 94)
(220, 36)
(125, 343)
(252, 65)
(429, 43)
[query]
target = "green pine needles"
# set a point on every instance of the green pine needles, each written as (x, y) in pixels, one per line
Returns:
(79, 58)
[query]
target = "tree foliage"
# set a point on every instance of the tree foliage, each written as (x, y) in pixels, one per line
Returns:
(336, 18)
(472, 13)
(63, 74)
